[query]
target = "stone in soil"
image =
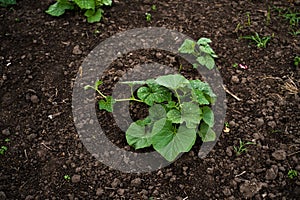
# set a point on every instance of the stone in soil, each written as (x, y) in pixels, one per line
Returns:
(75, 178)
(279, 155)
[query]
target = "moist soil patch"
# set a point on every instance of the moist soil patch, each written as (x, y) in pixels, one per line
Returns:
(41, 55)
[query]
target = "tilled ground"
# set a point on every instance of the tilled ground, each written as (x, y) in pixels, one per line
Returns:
(41, 55)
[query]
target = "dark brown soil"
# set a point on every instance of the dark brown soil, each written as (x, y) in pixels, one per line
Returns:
(39, 60)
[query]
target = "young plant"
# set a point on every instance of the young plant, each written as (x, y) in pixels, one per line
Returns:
(248, 19)
(67, 177)
(148, 17)
(201, 50)
(153, 7)
(92, 8)
(292, 174)
(179, 110)
(242, 147)
(258, 40)
(3, 149)
(297, 61)
(5, 3)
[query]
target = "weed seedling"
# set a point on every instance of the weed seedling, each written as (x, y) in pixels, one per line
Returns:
(148, 17)
(235, 65)
(297, 61)
(153, 7)
(242, 147)
(292, 174)
(3, 149)
(67, 177)
(258, 40)
(248, 19)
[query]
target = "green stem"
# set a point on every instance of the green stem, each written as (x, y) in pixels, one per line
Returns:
(130, 99)
(100, 93)
(177, 96)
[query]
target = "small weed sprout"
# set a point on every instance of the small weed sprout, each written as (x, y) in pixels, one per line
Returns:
(67, 177)
(297, 61)
(148, 17)
(235, 65)
(3, 149)
(292, 174)
(153, 7)
(260, 42)
(248, 19)
(242, 147)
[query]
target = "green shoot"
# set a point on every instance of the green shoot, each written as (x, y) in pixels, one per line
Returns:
(242, 147)
(292, 174)
(260, 42)
(148, 17)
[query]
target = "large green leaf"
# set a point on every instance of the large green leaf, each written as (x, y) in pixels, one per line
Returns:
(59, 8)
(154, 93)
(157, 112)
(94, 16)
(208, 116)
(206, 133)
(170, 144)
(191, 114)
(107, 104)
(138, 137)
(188, 46)
(86, 4)
(173, 81)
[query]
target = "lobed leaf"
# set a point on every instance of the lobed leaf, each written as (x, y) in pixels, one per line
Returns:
(170, 144)
(107, 104)
(153, 93)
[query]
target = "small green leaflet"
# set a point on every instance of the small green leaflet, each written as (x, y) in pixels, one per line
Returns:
(203, 41)
(207, 61)
(208, 116)
(170, 144)
(85, 4)
(59, 8)
(203, 92)
(173, 81)
(107, 104)
(94, 16)
(188, 46)
(103, 2)
(206, 133)
(153, 94)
